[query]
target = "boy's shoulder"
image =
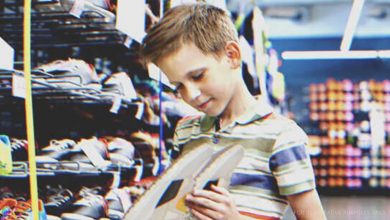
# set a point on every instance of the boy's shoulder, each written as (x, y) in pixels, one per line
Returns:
(279, 121)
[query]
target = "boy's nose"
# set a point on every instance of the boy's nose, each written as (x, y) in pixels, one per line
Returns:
(193, 93)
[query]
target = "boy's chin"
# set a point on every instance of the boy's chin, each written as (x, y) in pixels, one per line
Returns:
(212, 113)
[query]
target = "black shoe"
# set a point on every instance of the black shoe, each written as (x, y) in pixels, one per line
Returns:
(58, 201)
(19, 149)
(90, 207)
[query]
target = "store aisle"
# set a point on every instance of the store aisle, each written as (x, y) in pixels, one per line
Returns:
(354, 208)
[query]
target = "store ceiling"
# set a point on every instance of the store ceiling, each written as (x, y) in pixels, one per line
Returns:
(311, 2)
(317, 18)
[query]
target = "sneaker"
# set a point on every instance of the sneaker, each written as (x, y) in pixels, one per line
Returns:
(121, 152)
(19, 149)
(86, 191)
(97, 6)
(119, 202)
(120, 84)
(72, 71)
(91, 207)
(172, 185)
(58, 201)
(219, 169)
(8, 202)
(57, 150)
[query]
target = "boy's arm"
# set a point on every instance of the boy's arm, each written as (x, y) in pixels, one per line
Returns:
(307, 205)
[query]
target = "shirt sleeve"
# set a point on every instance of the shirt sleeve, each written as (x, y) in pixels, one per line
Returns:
(290, 162)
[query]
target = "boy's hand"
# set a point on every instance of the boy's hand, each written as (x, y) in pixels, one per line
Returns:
(212, 204)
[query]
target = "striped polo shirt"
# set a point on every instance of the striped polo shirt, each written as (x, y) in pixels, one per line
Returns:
(275, 162)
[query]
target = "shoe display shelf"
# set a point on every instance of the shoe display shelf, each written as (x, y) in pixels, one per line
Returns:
(54, 27)
(59, 89)
(54, 24)
(350, 136)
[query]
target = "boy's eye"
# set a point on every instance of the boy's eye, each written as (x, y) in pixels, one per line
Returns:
(197, 76)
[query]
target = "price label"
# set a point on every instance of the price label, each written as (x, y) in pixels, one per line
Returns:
(140, 111)
(77, 8)
(116, 104)
(18, 86)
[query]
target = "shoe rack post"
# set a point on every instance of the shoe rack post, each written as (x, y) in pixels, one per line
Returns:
(29, 108)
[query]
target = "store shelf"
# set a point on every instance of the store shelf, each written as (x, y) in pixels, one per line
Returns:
(55, 93)
(53, 26)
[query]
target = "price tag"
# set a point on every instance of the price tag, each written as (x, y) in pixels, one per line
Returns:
(125, 22)
(77, 8)
(116, 104)
(128, 41)
(140, 111)
(7, 55)
(18, 86)
(88, 147)
(116, 180)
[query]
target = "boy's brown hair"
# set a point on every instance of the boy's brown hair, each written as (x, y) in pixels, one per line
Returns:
(207, 26)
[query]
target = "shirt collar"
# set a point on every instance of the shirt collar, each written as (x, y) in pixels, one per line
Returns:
(258, 111)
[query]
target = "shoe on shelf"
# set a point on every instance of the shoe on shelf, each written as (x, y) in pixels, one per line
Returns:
(57, 150)
(71, 72)
(101, 7)
(59, 201)
(8, 202)
(91, 207)
(86, 191)
(19, 149)
(121, 151)
(120, 84)
(119, 202)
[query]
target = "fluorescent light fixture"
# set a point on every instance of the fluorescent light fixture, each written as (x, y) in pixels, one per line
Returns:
(352, 22)
(336, 54)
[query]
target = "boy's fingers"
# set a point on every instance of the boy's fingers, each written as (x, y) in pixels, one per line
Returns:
(219, 190)
(202, 202)
(199, 215)
(214, 196)
(208, 213)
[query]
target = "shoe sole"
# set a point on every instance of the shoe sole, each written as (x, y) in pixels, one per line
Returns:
(174, 183)
(202, 165)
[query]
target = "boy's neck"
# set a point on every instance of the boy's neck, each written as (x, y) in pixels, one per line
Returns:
(240, 104)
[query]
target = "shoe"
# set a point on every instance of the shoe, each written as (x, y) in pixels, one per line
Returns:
(121, 151)
(91, 207)
(86, 191)
(93, 154)
(71, 72)
(8, 202)
(219, 169)
(19, 149)
(120, 84)
(119, 202)
(101, 7)
(57, 150)
(171, 186)
(58, 201)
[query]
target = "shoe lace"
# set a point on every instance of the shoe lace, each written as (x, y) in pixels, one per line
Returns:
(62, 197)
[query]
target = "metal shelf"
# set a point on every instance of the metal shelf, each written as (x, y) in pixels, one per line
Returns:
(52, 26)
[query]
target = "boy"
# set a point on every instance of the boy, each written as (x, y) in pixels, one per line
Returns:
(196, 46)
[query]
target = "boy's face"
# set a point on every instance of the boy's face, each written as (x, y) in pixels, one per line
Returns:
(205, 82)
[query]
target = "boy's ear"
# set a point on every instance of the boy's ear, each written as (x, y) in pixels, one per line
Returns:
(233, 53)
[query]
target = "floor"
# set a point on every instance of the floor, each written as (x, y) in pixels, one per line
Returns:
(353, 208)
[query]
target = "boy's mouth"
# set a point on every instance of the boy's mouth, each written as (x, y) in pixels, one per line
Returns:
(204, 104)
